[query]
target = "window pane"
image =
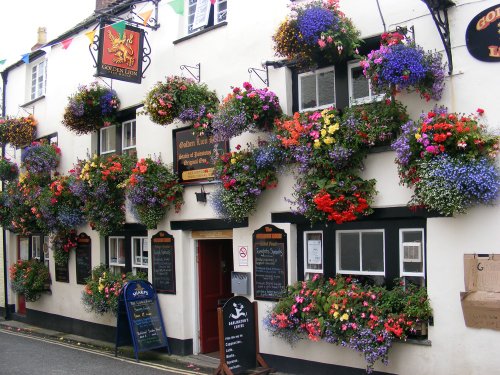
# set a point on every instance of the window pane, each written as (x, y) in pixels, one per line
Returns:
(108, 139)
(326, 88)
(201, 13)
(414, 237)
(373, 251)
(314, 254)
(222, 10)
(349, 251)
(129, 138)
(360, 85)
(308, 91)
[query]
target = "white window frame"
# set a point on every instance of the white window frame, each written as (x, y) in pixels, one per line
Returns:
(36, 247)
(38, 79)
(117, 262)
(199, 12)
(107, 128)
(124, 125)
(401, 253)
(372, 97)
(309, 272)
(360, 272)
(316, 73)
(144, 262)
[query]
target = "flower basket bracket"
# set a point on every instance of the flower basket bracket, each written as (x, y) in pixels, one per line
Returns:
(196, 67)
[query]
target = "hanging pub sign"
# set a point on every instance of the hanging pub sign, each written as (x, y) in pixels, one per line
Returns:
(269, 263)
(193, 156)
(120, 55)
(483, 35)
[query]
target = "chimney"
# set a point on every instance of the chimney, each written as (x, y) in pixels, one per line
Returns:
(42, 38)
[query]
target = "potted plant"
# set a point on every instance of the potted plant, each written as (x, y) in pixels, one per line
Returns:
(19, 132)
(152, 189)
(316, 32)
(41, 157)
(90, 108)
(29, 278)
(184, 99)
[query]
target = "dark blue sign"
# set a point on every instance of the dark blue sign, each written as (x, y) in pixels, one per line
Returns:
(482, 36)
(139, 307)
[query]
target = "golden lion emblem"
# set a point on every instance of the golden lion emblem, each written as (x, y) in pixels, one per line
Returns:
(121, 47)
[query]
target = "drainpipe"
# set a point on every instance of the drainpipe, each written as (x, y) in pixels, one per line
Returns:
(4, 232)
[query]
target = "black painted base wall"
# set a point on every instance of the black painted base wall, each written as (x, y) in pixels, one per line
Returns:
(91, 330)
(303, 367)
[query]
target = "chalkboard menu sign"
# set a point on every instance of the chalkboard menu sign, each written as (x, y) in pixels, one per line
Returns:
(193, 156)
(144, 318)
(62, 272)
(83, 258)
(163, 266)
(270, 263)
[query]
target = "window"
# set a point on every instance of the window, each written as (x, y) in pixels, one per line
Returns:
(202, 13)
(317, 89)
(36, 247)
(108, 139)
(140, 254)
(38, 79)
(313, 254)
(411, 252)
(361, 252)
(128, 135)
(45, 248)
(360, 90)
(116, 253)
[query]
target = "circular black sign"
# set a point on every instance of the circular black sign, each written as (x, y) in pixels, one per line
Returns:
(483, 35)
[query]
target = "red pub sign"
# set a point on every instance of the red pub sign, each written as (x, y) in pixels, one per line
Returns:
(120, 56)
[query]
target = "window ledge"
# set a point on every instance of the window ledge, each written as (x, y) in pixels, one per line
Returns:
(33, 101)
(206, 30)
(422, 342)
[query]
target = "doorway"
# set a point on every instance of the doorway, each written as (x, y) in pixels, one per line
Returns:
(23, 253)
(215, 263)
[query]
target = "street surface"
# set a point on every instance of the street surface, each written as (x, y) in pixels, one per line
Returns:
(23, 354)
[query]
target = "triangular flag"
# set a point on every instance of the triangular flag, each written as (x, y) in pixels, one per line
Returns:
(146, 16)
(90, 35)
(66, 43)
(119, 28)
(3, 61)
(212, 1)
(178, 6)
(26, 58)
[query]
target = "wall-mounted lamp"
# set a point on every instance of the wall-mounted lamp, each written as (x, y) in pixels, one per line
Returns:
(202, 195)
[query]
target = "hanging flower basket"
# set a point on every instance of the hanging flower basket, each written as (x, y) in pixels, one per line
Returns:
(8, 170)
(41, 157)
(19, 132)
(316, 32)
(247, 109)
(152, 189)
(184, 99)
(90, 108)
(29, 278)
(400, 64)
(449, 160)
(62, 243)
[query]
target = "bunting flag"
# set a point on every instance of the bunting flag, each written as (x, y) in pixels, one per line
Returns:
(213, 2)
(146, 16)
(66, 43)
(3, 61)
(119, 27)
(90, 35)
(178, 6)
(26, 58)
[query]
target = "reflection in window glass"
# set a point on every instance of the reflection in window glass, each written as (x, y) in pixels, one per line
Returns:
(360, 85)
(108, 139)
(326, 88)
(361, 252)
(317, 89)
(349, 251)
(129, 134)
(308, 91)
(373, 251)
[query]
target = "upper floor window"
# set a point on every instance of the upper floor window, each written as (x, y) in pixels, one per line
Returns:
(202, 13)
(128, 135)
(360, 90)
(108, 139)
(38, 79)
(317, 89)
(361, 252)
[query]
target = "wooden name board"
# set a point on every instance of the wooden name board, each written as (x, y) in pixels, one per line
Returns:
(145, 323)
(62, 272)
(193, 156)
(238, 338)
(482, 38)
(269, 263)
(163, 262)
(83, 258)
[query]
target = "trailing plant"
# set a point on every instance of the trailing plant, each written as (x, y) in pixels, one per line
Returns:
(316, 32)
(62, 243)
(41, 157)
(247, 109)
(152, 189)
(29, 278)
(19, 132)
(90, 108)
(8, 170)
(400, 64)
(181, 98)
(102, 289)
(344, 312)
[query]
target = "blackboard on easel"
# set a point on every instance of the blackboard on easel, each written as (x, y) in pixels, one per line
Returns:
(83, 258)
(163, 262)
(269, 263)
(239, 338)
(139, 320)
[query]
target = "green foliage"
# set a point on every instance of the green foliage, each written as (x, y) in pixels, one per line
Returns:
(29, 278)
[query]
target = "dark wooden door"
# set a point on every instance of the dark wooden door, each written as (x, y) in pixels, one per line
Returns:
(215, 263)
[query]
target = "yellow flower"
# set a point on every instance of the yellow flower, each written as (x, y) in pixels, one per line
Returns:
(344, 317)
(323, 132)
(333, 128)
(317, 143)
(93, 165)
(336, 306)
(336, 314)
(100, 287)
(418, 136)
(329, 140)
(233, 161)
